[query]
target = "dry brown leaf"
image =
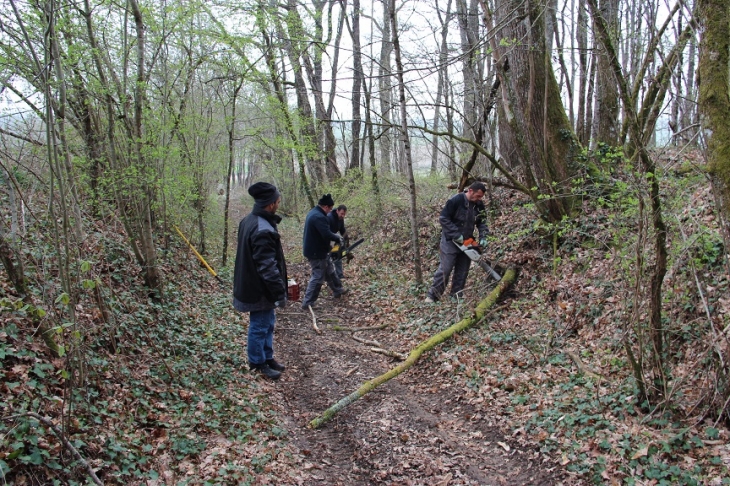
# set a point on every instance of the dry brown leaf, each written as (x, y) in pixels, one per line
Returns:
(643, 452)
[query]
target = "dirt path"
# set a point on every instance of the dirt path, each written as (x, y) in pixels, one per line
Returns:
(417, 429)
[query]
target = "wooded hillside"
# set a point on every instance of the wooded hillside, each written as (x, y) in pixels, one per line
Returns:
(600, 129)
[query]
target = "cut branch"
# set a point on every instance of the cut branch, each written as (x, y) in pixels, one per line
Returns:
(358, 329)
(390, 352)
(415, 354)
(369, 342)
(314, 321)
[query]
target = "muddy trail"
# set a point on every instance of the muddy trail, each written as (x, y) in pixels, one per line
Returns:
(418, 428)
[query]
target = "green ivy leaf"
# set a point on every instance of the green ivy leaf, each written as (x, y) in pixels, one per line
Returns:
(64, 299)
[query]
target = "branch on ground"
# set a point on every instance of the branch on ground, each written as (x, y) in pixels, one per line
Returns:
(479, 314)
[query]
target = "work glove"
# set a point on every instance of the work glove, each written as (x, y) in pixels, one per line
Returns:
(342, 242)
(483, 243)
(459, 240)
(280, 304)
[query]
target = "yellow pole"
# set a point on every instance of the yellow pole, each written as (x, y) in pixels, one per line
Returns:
(200, 257)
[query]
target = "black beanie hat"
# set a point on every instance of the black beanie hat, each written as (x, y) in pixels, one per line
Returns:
(326, 200)
(264, 193)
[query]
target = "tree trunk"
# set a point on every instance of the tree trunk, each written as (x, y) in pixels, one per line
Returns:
(606, 115)
(469, 30)
(638, 149)
(443, 73)
(385, 90)
(448, 97)
(415, 246)
(689, 119)
(467, 172)
(17, 279)
(535, 134)
(293, 48)
(144, 205)
(313, 66)
(283, 108)
(356, 85)
(581, 128)
(715, 102)
(231, 128)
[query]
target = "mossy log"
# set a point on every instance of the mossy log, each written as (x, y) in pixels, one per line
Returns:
(479, 313)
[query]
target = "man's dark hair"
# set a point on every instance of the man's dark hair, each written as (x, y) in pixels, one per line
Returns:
(478, 186)
(342, 206)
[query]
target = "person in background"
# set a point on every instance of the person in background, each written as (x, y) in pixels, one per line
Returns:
(458, 218)
(259, 277)
(336, 218)
(316, 249)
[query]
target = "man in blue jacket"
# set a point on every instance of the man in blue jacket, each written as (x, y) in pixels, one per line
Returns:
(459, 216)
(316, 248)
(259, 277)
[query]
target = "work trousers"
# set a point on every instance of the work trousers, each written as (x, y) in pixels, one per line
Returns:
(323, 270)
(261, 336)
(449, 261)
(338, 268)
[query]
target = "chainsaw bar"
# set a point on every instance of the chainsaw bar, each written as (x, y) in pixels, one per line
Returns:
(474, 253)
(338, 254)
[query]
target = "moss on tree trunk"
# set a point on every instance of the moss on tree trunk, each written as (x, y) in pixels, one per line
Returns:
(715, 100)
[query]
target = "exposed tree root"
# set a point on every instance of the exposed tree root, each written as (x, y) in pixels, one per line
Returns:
(415, 354)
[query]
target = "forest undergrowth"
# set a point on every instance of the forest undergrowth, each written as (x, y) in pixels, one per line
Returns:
(149, 388)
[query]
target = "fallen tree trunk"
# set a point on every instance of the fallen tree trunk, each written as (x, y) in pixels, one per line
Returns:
(430, 343)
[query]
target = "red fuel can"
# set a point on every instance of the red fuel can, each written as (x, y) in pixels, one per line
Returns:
(292, 290)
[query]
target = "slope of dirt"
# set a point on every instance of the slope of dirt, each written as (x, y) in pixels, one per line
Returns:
(418, 428)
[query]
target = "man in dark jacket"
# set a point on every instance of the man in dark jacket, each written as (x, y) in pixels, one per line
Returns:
(259, 277)
(336, 218)
(459, 216)
(316, 246)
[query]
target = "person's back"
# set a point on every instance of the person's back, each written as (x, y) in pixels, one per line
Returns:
(317, 234)
(316, 248)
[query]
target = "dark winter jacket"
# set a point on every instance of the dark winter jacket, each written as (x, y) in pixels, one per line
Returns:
(317, 235)
(459, 217)
(337, 224)
(259, 276)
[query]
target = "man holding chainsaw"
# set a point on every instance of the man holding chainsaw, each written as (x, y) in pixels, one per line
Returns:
(316, 248)
(458, 218)
(259, 277)
(336, 218)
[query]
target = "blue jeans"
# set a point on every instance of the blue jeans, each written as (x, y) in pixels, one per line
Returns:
(261, 336)
(322, 270)
(450, 261)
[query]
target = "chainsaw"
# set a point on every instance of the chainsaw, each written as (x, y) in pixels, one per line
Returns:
(472, 249)
(340, 251)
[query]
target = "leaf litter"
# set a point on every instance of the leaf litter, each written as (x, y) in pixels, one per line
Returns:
(504, 403)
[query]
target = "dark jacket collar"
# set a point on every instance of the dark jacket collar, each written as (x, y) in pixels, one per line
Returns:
(270, 217)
